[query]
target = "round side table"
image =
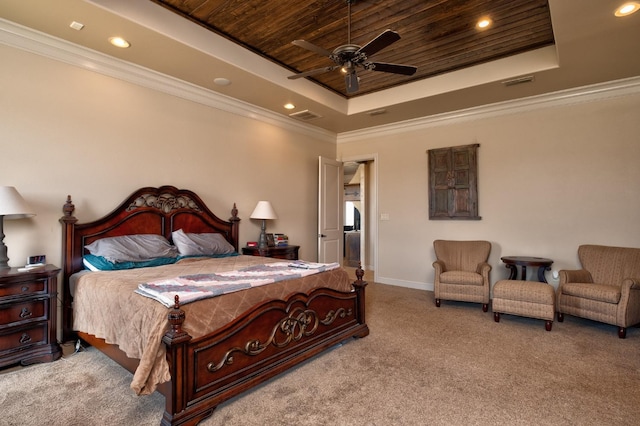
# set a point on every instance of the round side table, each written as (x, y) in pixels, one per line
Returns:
(512, 262)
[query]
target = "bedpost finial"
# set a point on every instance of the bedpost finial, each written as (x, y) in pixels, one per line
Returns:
(68, 207)
(176, 319)
(359, 272)
(234, 211)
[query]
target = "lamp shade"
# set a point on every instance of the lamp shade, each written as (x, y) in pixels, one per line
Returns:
(12, 205)
(264, 210)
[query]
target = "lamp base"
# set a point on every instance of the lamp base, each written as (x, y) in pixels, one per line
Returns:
(3, 248)
(262, 239)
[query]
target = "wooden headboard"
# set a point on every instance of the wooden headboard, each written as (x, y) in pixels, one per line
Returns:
(147, 211)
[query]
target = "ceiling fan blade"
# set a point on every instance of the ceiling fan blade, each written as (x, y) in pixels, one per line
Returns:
(351, 80)
(393, 68)
(312, 47)
(377, 44)
(312, 72)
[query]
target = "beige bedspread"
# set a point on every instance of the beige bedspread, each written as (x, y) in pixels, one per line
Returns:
(106, 306)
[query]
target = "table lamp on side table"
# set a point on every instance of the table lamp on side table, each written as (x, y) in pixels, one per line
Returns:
(263, 211)
(12, 206)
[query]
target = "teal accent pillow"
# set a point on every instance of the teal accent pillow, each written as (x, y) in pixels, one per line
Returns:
(99, 263)
(210, 256)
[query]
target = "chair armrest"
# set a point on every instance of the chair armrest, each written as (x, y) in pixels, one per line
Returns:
(483, 268)
(631, 283)
(575, 276)
(439, 266)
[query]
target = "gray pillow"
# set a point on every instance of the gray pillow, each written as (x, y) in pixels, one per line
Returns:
(132, 248)
(201, 244)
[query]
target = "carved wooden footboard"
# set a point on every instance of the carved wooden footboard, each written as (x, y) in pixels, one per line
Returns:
(265, 342)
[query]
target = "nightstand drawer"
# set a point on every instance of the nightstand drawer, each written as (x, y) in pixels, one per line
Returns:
(288, 252)
(24, 288)
(24, 337)
(25, 312)
(290, 255)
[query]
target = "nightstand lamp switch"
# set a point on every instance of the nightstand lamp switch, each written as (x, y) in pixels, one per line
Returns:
(12, 206)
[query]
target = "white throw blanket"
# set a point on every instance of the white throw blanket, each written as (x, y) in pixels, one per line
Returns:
(190, 288)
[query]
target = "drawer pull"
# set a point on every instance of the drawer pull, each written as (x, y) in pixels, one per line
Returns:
(25, 313)
(25, 288)
(25, 338)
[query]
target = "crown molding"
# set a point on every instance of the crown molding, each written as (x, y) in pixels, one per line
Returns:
(27, 39)
(595, 92)
(20, 37)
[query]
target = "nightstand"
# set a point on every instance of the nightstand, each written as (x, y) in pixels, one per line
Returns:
(279, 252)
(28, 314)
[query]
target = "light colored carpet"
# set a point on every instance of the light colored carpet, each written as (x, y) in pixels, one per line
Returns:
(420, 365)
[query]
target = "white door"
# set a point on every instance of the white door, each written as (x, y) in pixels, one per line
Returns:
(330, 229)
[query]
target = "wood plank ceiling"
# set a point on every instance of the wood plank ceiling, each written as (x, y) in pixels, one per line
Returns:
(438, 36)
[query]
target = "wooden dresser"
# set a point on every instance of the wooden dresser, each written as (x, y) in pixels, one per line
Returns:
(288, 252)
(28, 314)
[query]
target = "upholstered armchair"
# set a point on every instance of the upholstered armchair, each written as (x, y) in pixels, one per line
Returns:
(606, 289)
(462, 271)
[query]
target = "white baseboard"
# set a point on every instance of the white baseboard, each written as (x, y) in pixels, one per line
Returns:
(401, 283)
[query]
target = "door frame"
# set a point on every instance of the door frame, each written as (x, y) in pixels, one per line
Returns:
(371, 207)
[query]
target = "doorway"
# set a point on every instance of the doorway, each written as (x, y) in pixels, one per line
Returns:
(359, 212)
(353, 211)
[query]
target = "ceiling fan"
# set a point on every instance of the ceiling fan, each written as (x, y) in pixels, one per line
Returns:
(349, 56)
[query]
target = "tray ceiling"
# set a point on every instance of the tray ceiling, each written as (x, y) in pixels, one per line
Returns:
(436, 36)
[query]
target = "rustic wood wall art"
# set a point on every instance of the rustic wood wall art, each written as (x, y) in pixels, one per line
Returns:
(453, 183)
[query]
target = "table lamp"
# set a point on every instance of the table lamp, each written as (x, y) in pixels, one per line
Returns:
(12, 206)
(263, 211)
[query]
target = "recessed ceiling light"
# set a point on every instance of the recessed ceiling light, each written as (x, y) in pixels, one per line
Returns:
(289, 106)
(220, 81)
(119, 42)
(483, 23)
(627, 9)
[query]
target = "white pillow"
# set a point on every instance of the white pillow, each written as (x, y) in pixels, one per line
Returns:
(201, 244)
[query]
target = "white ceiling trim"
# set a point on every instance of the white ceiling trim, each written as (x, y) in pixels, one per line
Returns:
(612, 89)
(18, 36)
(531, 62)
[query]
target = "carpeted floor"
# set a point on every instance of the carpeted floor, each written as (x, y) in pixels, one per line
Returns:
(420, 365)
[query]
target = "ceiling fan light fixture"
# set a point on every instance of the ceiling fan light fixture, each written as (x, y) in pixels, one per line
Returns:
(348, 57)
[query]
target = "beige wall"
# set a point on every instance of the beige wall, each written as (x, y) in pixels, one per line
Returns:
(66, 130)
(549, 180)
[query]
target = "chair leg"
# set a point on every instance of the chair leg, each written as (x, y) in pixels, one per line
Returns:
(547, 325)
(437, 303)
(485, 307)
(496, 316)
(622, 332)
(560, 317)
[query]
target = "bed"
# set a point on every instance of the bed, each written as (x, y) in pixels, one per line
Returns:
(209, 350)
